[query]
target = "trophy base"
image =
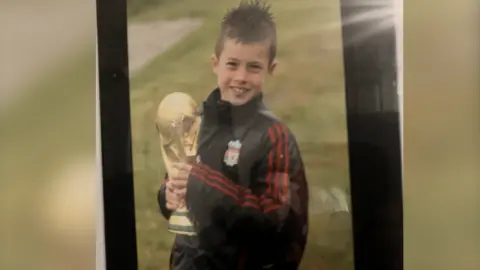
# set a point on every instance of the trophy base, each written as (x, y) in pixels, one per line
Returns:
(180, 224)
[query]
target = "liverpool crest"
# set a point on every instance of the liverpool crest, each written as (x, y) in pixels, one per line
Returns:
(233, 152)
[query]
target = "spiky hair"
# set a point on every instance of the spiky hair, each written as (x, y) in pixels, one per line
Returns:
(249, 22)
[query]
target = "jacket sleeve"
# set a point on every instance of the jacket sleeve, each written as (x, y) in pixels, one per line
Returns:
(277, 193)
(161, 200)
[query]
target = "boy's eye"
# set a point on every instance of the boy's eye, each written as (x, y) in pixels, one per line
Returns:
(231, 64)
(255, 68)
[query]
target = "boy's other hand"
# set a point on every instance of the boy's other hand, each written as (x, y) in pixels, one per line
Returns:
(179, 176)
(182, 168)
(173, 199)
(176, 187)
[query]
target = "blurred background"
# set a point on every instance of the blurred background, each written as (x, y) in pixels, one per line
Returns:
(170, 45)
(47, 143)
(48, 172)
(441, 135)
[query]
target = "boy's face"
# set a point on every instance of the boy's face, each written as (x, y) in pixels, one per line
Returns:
(241, 70)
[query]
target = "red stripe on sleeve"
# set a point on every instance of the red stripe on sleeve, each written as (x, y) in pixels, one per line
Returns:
(286, 157)
(218, 177)
(271, 208)
(280, 156)
(266, 200)
(251, 204)
(270, 162)
(215, 185)
(281, 171)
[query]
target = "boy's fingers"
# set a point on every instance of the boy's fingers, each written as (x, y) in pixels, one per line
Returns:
(182, 166)
(179, 181)
(169, 186)
(171, 206)
(173, 199)
(179, 185)
(177, 174)
(181, 192)
(183, 175)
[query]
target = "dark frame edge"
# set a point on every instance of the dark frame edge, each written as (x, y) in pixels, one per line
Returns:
(373, 124)
(116, 153)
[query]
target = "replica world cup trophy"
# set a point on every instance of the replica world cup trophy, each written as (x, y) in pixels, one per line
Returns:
(177, 125)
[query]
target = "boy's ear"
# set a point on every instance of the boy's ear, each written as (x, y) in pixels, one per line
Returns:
(214, 60)
(272, 67)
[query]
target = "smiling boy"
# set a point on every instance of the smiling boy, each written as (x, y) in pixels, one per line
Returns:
(248, 194)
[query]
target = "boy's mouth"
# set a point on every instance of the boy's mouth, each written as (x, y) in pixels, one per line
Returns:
(239, 90)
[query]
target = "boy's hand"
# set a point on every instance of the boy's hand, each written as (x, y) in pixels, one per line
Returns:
(176, 187)
(173, 200)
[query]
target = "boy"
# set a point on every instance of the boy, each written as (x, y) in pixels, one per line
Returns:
(247, 195)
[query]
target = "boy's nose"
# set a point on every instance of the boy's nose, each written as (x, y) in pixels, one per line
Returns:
(241, 75)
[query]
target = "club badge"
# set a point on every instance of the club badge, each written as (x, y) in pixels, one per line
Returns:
(233, 152)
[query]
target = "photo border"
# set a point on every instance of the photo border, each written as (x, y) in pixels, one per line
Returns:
(373, 124)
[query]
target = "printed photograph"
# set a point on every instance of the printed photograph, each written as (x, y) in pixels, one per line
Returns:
(239, 135)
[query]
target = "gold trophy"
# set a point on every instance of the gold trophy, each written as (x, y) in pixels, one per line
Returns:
(177, 125)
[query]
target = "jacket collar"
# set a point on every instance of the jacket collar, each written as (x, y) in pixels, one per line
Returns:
(216, 111)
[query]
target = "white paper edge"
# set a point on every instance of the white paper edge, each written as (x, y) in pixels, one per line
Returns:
(398, 6)
(100, 239)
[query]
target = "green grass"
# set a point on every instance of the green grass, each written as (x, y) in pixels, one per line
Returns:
(307, 92)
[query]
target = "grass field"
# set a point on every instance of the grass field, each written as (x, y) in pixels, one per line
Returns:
(307, 92)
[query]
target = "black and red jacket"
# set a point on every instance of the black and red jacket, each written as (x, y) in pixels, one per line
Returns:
(252, 214)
